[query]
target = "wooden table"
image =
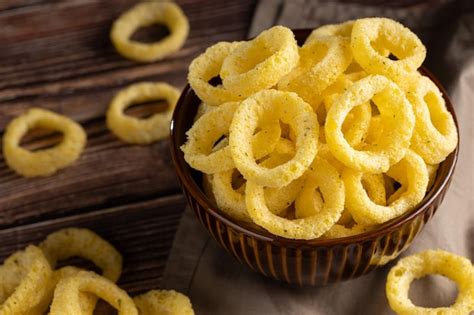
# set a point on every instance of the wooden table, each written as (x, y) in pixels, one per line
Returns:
(57, 55)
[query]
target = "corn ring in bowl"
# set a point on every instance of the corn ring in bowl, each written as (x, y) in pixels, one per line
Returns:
(273, 105)
(145, 14)
(395, 37)
(396, 114)
(435, 134)
(367, 212)
(323, 176)
(47, 161)
(260, 63)
(322, 61)
(206, 67)
(201, 150)
(141, 131)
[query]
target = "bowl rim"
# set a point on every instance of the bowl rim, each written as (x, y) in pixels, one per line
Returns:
(191, 186)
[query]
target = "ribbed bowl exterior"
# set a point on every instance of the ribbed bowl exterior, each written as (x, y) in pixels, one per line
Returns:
(313, 262)
(312, 265)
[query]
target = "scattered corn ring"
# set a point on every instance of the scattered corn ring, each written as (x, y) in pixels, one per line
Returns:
(260, 63)
(169, 302)
(367, 212)
(408, 269)
(84, 243)
(48, 161)
(435, 134)
(273, 105)
(207, 66)
(402, 42)
(145, 14)
(322, 60)
(141, 131)
(68, 298)
(23, 282)
(88, 301)
(396, 113)
(198, 149)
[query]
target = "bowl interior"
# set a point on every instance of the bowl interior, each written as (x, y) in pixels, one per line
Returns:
(191, 179)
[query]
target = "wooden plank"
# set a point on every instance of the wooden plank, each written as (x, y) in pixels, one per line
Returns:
(62, 60)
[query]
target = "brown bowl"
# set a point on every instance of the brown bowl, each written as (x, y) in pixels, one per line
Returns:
(303, 262)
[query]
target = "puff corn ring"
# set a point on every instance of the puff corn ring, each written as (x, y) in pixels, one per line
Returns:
(207, 66)
(145, 14)
(198, 149)
(23, 279)
(68, 298)
(357, 123)
(325, 177)
(260, 63)
(435, 134)
(290, 109)
(457, 268)
(322, 60)
(84, 243)
(161, 302)
(232, 200)
(88, 301)
(396, 113)
(141, 131)
(402, 42)
(367, 212)
(47, 161)
(344, 30)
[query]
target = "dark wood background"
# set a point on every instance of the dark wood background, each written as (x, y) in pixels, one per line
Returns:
(57, 55)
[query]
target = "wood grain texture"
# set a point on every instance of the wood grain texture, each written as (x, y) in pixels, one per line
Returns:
(57, 55)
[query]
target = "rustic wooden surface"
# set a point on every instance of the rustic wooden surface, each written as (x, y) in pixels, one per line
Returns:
(57, 55)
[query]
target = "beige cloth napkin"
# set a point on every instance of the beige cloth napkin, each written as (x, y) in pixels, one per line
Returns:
(217, 284)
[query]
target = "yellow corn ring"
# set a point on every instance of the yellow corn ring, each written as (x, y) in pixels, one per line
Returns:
(71, 242)
(88, 301)
(199, 150)
(141, 131)
(391, 35)
(145, 14)
(232, 201)
(260, 63)
(367, 212)
(207, 66)
(48, 161)
(325, 177)
(435, 135)
(163, 302)
(24, 279)
(457, 268)
(397, 116)
(357, 123)
(322, 61)
(68, 298)
(273, 105)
